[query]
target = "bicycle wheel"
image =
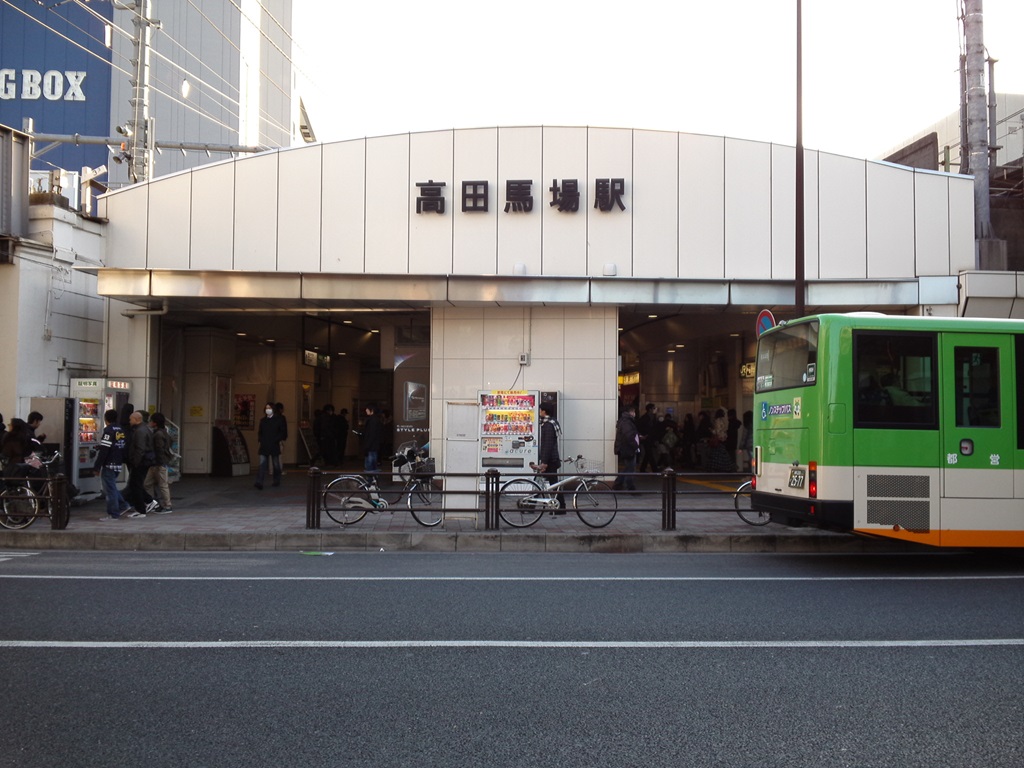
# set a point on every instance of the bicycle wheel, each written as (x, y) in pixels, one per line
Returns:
(20, 507)
(347, 499)
(391, 492)
(520, 502)
(747, 514)
(425, 503)
(595, 503)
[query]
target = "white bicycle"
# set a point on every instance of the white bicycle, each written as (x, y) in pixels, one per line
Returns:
(522, 501)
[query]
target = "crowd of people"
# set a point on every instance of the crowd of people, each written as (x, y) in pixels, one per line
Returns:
(712, 442)
(143, 445)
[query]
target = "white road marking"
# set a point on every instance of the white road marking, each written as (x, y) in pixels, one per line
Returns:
(12, 555)
(594, 644)
(135, 577)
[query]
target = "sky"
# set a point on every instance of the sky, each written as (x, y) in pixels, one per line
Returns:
(875, 72)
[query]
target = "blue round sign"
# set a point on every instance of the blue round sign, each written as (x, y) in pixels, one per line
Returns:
(765, 320)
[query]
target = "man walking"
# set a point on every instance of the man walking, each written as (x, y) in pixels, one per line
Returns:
(156, 484)
(548, 457)
(140, 458)
(109, 459)
(627, 443)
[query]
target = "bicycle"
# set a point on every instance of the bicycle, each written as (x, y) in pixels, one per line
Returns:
(522, 501)
(348, 498)
(20, 502)
(741, 500)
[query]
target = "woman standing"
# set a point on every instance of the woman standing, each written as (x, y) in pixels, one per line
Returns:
(272, 432)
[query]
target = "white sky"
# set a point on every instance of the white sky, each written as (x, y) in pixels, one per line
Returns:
(875, 72)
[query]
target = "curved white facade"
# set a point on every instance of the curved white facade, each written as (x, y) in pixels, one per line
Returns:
(667, 223)
(695, 208)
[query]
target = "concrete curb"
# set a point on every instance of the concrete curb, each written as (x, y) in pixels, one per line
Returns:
(442, 541)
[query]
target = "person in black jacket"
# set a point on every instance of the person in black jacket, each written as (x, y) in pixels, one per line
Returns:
(627, 443)
(109, 459)
(140, 458)
(548, 459)
(273, 430)
(371, 438)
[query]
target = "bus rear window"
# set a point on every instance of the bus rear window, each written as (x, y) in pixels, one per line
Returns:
(787, 357)
(895, 379)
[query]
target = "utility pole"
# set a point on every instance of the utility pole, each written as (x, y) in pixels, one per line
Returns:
(990, 253)
(977, 117)
(140, 143)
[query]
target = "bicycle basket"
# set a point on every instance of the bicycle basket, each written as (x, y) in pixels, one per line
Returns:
(590, 465)
(425, 467)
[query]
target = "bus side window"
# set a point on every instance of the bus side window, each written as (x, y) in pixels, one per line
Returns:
(895, 375)
(977, 387)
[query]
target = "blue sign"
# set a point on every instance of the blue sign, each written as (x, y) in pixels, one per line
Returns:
(765, 320)
(56, 69)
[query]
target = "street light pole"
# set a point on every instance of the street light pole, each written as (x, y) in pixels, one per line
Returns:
(799, 266)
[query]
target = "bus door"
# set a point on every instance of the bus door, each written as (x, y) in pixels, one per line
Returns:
(977, 427)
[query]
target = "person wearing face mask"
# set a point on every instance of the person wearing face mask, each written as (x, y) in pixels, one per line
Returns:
(271, 432)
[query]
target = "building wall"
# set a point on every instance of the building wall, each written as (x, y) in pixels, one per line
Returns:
(694, 208)
(55, 313)
(572, 350)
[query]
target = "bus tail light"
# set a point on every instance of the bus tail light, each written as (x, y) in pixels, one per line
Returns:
(812, 479)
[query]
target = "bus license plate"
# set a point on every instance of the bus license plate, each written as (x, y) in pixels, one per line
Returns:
(796, 478)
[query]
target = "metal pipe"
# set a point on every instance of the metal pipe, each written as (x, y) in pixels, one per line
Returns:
(114, 141)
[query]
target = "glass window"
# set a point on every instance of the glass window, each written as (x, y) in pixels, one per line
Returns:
(977, 386)
(787, 357)
(895, 380)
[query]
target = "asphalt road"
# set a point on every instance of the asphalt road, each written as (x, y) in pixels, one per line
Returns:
(401, 659)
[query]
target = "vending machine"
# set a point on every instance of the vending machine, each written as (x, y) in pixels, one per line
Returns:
(92, 398)
(508, 430)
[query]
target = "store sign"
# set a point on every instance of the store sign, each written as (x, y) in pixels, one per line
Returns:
(52, 85)
(111, 384)
(316, 360)
(747, 370)
(519, 198)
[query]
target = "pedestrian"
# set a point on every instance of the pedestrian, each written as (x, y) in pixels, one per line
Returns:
(719, 459)
(732, 432)
(323, 431)
(273, 431)
(745, 443)
(3, 429)
(627, 445)
(140, 458)
(341, 433)
(156, 478)
(109, 459)
(688, 441)
(16, 448)
(645, 427)
(387, 433)
(34, 420)
(371, 438)
(548, 461)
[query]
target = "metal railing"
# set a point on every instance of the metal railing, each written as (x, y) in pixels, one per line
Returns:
(665, 494)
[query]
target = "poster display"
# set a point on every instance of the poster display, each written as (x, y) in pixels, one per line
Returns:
(245, 411)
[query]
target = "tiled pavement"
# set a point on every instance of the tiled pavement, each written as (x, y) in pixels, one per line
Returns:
(212, 513)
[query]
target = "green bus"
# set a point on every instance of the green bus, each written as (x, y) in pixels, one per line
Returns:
(908, 428)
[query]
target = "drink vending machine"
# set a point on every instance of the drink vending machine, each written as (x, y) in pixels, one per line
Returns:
(508, 430)
(93, 397)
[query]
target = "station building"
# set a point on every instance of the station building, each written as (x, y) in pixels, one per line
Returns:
(416, 270)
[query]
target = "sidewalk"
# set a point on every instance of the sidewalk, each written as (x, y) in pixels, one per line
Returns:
(228, 513)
